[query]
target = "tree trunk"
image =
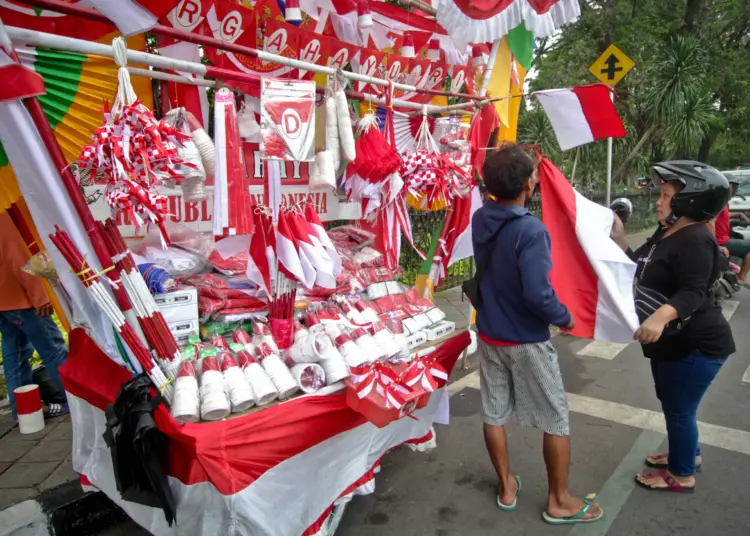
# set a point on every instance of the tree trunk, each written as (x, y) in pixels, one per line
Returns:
(638, 146)
(705, 149)
(692, 12)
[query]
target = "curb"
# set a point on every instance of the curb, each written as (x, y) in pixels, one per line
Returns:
(62, 511)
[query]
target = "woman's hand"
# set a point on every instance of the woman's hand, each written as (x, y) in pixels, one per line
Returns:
(652, 329)
(618, 233)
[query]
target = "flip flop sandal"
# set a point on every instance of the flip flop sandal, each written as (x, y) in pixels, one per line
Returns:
(672, 484)
(56, 410)
(578, 518)
(664, 465)
(512, 506)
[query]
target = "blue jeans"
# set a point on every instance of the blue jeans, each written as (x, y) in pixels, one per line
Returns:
(23, 331)
(680, 386)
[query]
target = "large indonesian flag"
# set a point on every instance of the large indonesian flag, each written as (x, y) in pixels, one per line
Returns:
(581, 115)
(275, 472)
(484, 21)
(590, 273)
(131, 16)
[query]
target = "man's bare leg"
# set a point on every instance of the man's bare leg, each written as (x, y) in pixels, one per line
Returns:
(560, 503)
(497, 446)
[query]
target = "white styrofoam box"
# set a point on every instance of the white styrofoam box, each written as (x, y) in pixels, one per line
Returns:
(415, 339)
(179, 305)
(441, 329)
(181, 330)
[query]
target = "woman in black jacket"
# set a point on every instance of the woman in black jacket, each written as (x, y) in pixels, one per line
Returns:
(682, 330)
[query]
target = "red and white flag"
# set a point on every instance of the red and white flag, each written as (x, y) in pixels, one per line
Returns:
(308, 257)
(315, 227)
(261, 255)
(591, 275)
(287, 251)
(19, 81)
(310, 244)
(581, 115)
(458, 240)
(131, 16)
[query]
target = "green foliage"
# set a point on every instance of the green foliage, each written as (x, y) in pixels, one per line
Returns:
(687, 97)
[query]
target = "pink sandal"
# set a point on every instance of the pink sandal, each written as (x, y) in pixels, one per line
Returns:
(672, 484)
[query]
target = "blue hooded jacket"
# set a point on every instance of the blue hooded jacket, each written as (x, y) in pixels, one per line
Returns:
(519, 303)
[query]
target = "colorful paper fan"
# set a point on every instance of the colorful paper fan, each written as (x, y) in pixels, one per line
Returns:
(406, 128)
(77, 88)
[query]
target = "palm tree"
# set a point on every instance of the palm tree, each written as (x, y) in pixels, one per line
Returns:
(677, 102)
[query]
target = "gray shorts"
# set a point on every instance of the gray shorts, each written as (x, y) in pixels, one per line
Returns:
(525, 378)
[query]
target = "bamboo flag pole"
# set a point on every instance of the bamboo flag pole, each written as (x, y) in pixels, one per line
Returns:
(58, 42)
(181, 35)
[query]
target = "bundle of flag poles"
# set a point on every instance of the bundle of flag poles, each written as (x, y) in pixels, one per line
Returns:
(149, 317)
(91, 280)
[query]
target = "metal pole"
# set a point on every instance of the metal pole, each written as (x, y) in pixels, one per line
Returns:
(575, 165)
(609, 161)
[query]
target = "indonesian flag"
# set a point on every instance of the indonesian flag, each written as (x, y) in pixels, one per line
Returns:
(261, 255)
(591, 275)
(316, 229)
(308, 257)
(581, 115)
(133, 17)
(287, 252)
(458, 240)
(19, 82)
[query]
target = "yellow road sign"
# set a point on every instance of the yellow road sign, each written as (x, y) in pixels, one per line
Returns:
(612, 66)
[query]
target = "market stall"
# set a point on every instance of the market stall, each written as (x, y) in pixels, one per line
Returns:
(245, 344)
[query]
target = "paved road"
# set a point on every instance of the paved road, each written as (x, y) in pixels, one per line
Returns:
(615, 423)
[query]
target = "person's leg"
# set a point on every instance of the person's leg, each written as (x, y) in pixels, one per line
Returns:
(16, 354)
(541, 403)
(740, 248)
(661, 459)
(497, 406)
(683, 386)
(744, 269)
(46, 338)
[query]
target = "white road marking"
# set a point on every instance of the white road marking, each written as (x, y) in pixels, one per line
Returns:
(746, 376)
(729, 307)
(602, 349)
(710, 434)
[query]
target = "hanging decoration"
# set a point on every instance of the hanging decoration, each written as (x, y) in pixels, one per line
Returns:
(133, 154)
(489, 20)
(288, 119)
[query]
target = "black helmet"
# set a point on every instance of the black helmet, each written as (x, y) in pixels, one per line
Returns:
(623, 207)
(704, 193)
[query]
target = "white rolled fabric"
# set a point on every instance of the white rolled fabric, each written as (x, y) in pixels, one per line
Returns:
(280, 375)
(333, 330)
(240, 392)
(400, 340)
(370, 315)
(205, 146)
(186, 401)
(367, 345)
(214, 401)
(386, 342)
(264, 389)
(310, 377)
(333, 364)
(352, 354)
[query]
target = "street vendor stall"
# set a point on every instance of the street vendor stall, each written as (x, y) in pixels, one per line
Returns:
(240, 366)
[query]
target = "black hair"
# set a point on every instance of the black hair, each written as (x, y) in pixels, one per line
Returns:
(506, 170)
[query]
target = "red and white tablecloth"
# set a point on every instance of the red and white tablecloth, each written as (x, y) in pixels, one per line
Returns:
(276, 472)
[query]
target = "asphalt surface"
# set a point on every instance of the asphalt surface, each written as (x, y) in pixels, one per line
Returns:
(614, 424)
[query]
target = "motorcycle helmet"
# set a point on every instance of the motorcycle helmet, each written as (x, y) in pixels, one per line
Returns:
(623, 207)
(704, 192)
(733, 185)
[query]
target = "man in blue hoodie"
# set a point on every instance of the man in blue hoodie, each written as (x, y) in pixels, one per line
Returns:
(518, 364)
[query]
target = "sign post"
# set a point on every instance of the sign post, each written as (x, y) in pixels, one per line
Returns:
(610, 68)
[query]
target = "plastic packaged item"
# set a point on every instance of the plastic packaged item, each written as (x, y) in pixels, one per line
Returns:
(186, 399)
(331, 360)
(214, 402)
(367, 345)
(310, 377)
(383, 339)
(279, 373)
(435, 315)
(416, 339)
(354, 316)
(263, 388)
(262, 334)
(439, 330)
(240, 393)
(287, 119)
(350, 351)
(396, 328)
